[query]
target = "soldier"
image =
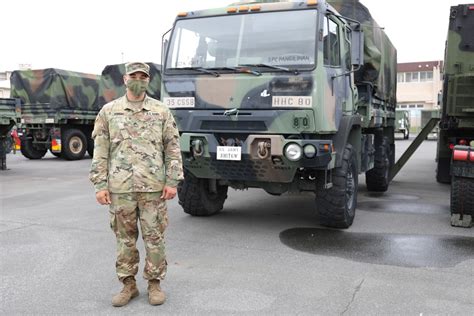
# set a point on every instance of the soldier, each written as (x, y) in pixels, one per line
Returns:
(136, 168)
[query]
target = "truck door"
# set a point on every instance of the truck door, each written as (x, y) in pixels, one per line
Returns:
(334, 96)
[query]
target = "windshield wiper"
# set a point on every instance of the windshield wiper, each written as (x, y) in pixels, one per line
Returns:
(200, 69)
(271, 67)
(239, 69)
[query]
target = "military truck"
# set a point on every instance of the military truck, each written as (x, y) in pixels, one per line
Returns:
(282, 96)
(9, 114)
(402, 123)
(59, 107)
(455, 152)
(57, 112)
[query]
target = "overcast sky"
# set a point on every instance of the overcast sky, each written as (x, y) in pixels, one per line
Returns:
(87, 35)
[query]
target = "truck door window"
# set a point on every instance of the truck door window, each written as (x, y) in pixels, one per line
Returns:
(331, 43)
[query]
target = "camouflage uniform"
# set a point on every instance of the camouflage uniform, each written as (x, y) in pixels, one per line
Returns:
(136, 154)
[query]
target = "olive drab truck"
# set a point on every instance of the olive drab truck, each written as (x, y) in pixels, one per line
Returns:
(282, 96)
(455, 152)
(9, 115)
(402, 123)
(59, 107)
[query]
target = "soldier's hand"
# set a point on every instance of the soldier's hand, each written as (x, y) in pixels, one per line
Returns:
(168, 193)
(103, 197)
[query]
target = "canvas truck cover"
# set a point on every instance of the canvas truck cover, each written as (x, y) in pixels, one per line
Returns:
(112, 85)
(56, 88)
(380, 56)
(459, 63)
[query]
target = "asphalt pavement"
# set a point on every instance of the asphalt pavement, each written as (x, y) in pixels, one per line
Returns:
(263, 255)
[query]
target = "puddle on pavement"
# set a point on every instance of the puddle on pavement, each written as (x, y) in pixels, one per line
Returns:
(386, 249)
(402, 207)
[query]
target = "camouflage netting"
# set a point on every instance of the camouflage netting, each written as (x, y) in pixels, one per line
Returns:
(56, 88)
(112, 86)
(380, 56)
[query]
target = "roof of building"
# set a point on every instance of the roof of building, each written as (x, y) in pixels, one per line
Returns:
(419, 66)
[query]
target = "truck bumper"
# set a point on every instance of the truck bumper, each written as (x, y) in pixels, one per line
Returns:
(262, 158)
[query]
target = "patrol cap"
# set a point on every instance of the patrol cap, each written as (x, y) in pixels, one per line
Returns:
(131, 68)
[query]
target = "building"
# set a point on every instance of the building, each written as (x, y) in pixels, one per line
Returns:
(5, 84)
(418, 87)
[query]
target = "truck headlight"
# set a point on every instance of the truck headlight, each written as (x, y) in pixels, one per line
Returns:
(309, 151)
(293, 152)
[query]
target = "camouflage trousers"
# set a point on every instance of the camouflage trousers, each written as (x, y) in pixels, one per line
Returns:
(125, 211)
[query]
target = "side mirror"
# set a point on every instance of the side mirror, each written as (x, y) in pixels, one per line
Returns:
(357, 47)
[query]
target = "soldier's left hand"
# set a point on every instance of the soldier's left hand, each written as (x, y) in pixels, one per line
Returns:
(168, 193)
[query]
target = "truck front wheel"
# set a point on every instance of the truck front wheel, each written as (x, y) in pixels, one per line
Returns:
(336, 206)
(377, 178)
(74, 144)
(29, 151)
(197, 199)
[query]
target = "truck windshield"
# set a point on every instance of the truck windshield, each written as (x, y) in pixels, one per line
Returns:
(286, 39)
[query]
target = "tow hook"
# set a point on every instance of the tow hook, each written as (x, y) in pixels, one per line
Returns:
(263, 149)
(197, 147)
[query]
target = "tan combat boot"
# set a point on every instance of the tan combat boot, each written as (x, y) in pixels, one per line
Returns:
(128, 292)
(155, 295)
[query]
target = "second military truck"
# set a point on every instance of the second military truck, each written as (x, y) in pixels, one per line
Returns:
(58, 107)
(283, 96)
(455, 153)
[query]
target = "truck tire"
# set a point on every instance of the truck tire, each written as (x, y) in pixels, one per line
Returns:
(378, 178)
(90, 147)
(462, 201)
(336, 206)
(29, 151)
(74, 144)
(195, 198)
(443, 170)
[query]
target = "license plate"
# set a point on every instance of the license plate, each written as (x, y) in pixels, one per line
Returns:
(229, 153)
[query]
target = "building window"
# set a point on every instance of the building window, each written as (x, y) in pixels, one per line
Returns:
(426, 76)
(3, 76)
(420, 106)
(417, 76)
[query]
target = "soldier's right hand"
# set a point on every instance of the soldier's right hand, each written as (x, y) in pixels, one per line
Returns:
(103, 197)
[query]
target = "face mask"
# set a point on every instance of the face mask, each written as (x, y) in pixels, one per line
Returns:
(137, 87)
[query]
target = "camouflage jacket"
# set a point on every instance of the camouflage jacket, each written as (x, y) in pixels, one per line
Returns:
(136, 149)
